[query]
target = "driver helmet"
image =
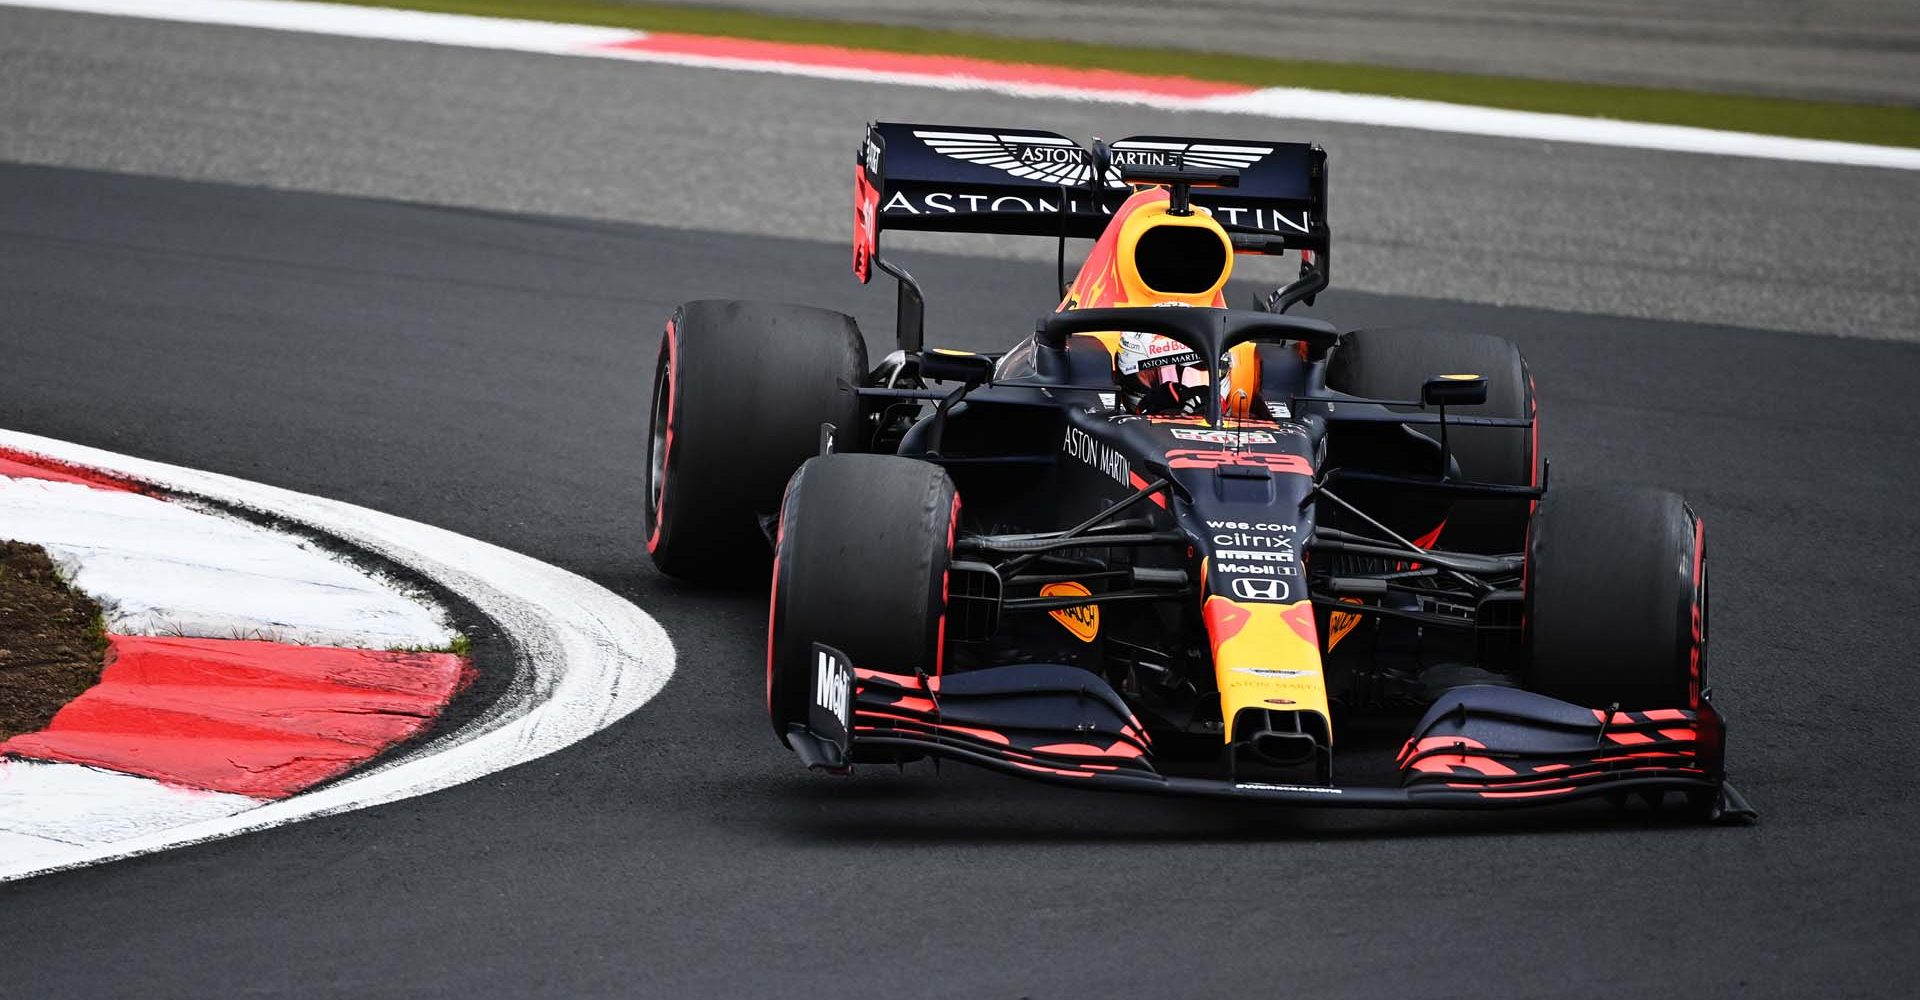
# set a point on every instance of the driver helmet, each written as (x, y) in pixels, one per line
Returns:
(1161, 375)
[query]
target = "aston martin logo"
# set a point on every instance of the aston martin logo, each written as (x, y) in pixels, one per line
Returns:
(1206, 155)
(1055, 160)
(1049, 159)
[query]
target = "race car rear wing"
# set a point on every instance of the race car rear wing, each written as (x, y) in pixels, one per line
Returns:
(1025, 182)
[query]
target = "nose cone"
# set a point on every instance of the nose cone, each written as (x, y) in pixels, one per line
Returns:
(1266, 655)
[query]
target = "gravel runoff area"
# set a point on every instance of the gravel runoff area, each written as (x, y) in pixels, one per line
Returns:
(1700, 239)
(1842, 50)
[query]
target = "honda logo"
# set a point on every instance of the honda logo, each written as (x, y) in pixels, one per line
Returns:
(1260, 590)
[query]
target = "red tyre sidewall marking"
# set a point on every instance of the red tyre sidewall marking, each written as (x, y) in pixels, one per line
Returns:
(1533, 506)
(773, 610)
(946, 577)
(1533, 449)
(773, 591)
(666, 445)
(1698, 624)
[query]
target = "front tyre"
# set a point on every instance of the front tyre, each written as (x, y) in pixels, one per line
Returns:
(1617, 599)
(739, 393)
(860, 564)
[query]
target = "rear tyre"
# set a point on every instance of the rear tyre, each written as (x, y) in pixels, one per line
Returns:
(1393, 363)
(861, 565)
(739, 393)
(1616, 600)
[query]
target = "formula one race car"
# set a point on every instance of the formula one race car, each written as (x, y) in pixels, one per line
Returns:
(1189, 549)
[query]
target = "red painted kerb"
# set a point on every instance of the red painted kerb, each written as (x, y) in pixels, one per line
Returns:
(254, 718)
(24, 465)
(949, 67)
(264, 719)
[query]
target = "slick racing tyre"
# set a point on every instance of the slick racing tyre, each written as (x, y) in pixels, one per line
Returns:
(1394, 363)
(861, 565)
(739, 394)
(1616, 598)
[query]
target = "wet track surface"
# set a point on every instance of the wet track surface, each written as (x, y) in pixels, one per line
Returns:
(488, 373)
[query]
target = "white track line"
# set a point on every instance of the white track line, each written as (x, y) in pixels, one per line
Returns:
(1280, 102)
(52, 814)
(355, 22)
(586, 657)
(160, 568)
(1435, 116)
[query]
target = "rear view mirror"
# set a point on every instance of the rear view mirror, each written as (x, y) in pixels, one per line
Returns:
(956, 366)
(1454, 390)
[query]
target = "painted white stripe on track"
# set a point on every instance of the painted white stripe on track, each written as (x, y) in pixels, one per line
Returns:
(160, 568)
(355, 22)
(586, 656)
(1280, 103)
(1435, 116)
(50, 813)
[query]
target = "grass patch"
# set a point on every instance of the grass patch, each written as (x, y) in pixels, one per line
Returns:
(1878, 124)
(460, 646)
(97, 632)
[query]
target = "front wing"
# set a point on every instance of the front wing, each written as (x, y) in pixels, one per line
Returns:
(1478, 747)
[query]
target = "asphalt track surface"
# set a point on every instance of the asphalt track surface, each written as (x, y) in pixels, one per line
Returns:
(1847, 50)
(1705, 239)
(488, 372)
